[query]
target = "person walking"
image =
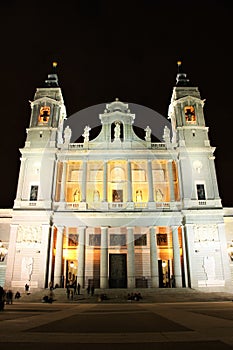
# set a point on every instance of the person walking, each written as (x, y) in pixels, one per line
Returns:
(88, 289)
(78, 287)
(2, 298)
(9, 297)
(92, 290)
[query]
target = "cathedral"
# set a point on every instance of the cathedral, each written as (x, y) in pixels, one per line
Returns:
(120, 209)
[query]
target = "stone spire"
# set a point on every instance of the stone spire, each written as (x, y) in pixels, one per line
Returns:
(52, 80)
(181, 78)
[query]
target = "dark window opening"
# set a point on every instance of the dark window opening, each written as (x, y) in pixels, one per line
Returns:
(140, 240)
(33, 193)
(201, 192)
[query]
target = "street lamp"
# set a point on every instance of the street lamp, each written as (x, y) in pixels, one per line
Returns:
(3, 251)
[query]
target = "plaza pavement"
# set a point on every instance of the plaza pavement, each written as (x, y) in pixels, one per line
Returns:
(163, 320)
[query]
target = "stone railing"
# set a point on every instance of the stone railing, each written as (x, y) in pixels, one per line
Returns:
(158, 145)
(75, 145)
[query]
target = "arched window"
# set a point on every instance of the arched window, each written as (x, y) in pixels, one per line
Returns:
(117, 174)
(44, 115)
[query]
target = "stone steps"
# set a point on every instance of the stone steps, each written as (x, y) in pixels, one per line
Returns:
(151, 295)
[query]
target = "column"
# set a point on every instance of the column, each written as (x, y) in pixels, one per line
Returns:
(63, 181)
(154, 259)
(130, 258)
(11, 256)
(129, 183)
(50, 258)
(184, 256)
(105, 181)
(176, 257)
(81, 256)
(104, 258)
(150, 181)
(58, 257)
(21, 179)
(171, 181)
(84, 179)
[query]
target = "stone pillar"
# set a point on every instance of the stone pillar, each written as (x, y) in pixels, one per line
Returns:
(11, 256)
(171, 181)
(84, 179)
(154, 259)
(81, 256)
(184, 257)
(58, 257)
(129, 183)
(50, 258)
(150, 181)
(63, 181)
(21, 179)
(104, 258)
(105, 181)
(176, 258)
(130, 258)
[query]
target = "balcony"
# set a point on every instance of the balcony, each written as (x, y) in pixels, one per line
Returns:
(116, 206)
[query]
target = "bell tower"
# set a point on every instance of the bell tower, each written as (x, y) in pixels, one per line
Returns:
(190, 138)
(47, 114)
(43, 138)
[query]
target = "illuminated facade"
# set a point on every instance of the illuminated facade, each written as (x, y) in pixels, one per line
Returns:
(118, 211)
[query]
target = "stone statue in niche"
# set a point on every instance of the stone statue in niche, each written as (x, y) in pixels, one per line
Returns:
(77, 195)
(86, 133)
(158, 195)
(117, 131)
(96, 196)
(138, 196)
(148, 134)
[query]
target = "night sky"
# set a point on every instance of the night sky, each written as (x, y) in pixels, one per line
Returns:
(108, 49)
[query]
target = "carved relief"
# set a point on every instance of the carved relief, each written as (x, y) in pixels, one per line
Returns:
(197, 165)
(29, 234)
(205, 233)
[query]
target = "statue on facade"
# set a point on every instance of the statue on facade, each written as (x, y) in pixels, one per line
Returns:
(27, 267)
(86, 133)
(96, 196)
(117, 131)
(148, 134)
(158, 195)
(67, 134)
(77, 195)
(166, 134)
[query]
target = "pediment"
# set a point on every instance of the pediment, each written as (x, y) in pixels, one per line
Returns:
(189, 98)
(44, 100)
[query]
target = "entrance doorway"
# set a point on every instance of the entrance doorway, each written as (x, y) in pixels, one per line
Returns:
(117, 271)
(164, 273)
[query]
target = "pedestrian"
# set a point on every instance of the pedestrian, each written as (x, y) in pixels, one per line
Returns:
(17, 295)
(50, 285)
(9, 297)
(88, 289)
(92, 290)
(78, 288)
(2, 298)
(26, 288)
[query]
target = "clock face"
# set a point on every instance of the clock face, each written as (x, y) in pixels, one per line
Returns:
(190, 116)
(44, 115)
